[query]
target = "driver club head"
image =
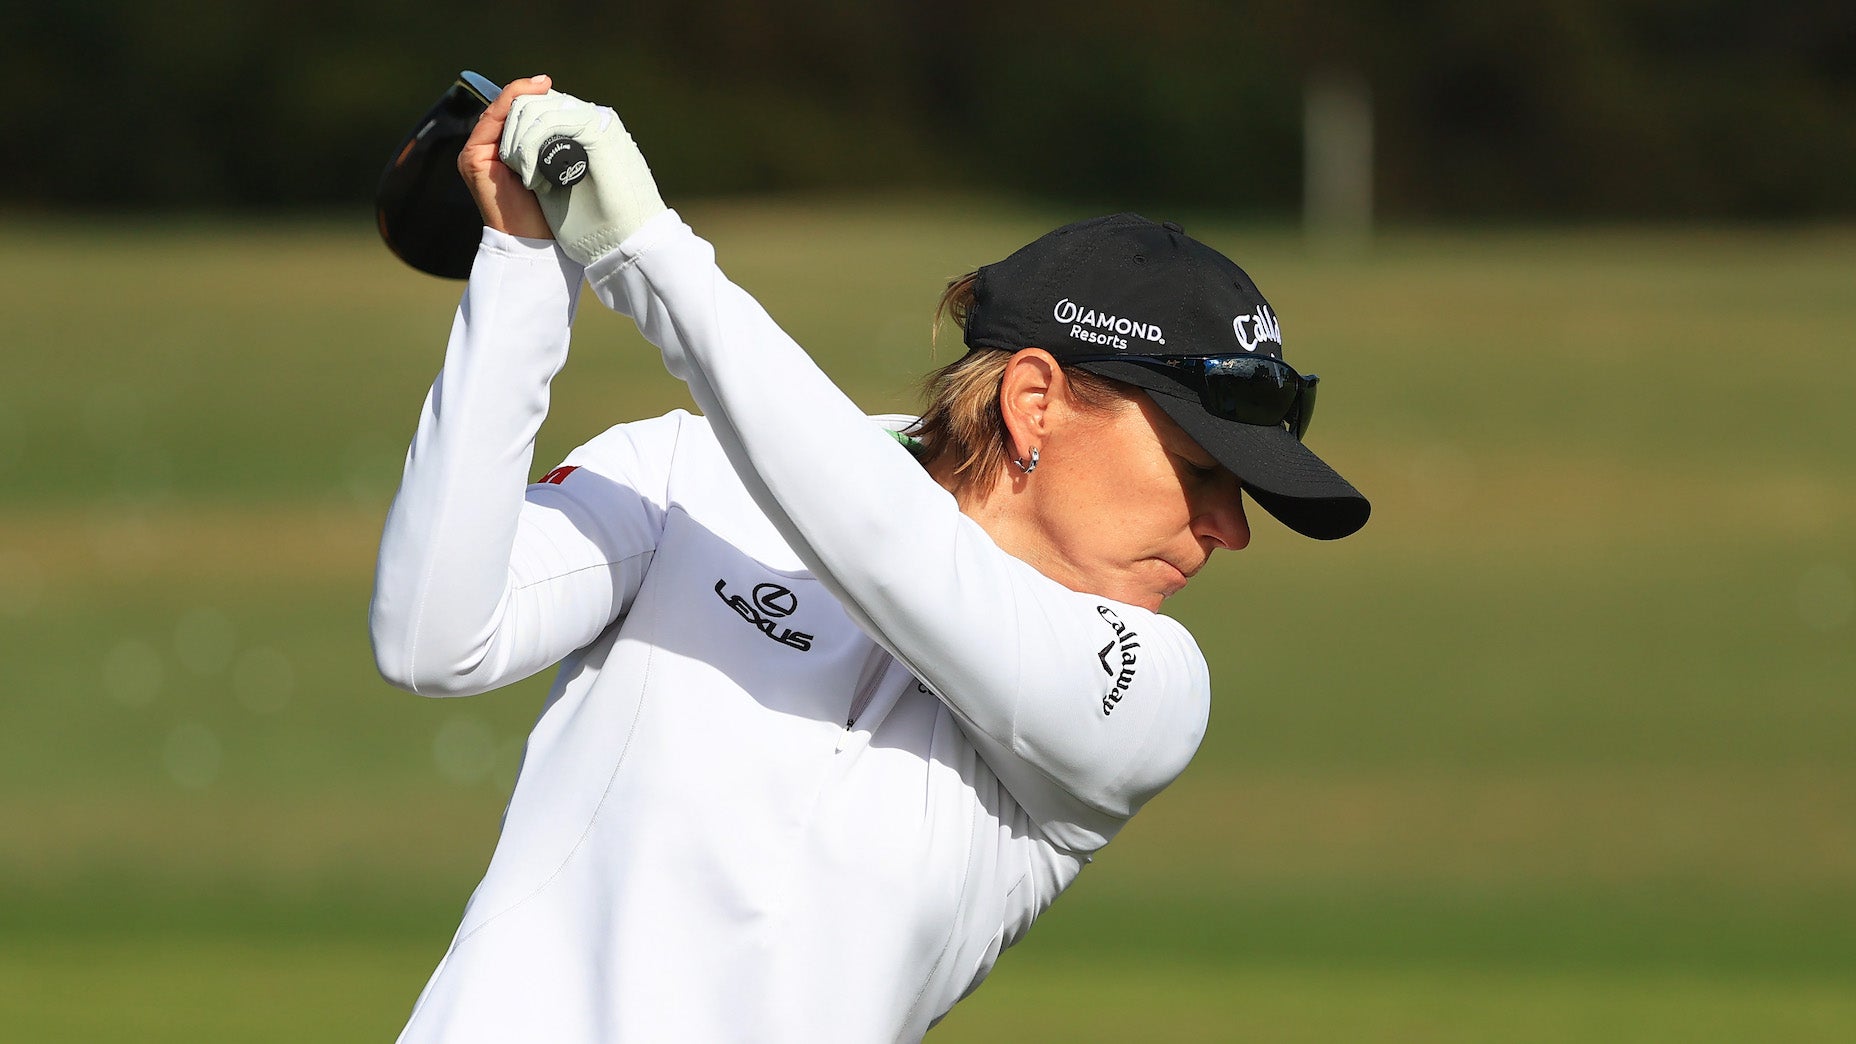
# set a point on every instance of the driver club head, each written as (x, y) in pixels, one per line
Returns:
(426, 215)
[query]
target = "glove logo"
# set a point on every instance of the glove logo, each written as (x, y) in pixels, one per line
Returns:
(562, 160)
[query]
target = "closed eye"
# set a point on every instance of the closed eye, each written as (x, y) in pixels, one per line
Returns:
(1197, 470)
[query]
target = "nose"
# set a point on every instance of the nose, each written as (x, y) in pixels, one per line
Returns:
(1221, 519)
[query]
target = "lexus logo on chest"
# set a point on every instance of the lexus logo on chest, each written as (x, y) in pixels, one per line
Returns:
(774, 600)
(766, 604)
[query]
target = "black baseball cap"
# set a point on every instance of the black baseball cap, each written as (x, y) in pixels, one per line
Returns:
(1124, 285)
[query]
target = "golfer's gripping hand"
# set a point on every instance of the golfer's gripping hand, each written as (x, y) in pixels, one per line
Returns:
(616, 197)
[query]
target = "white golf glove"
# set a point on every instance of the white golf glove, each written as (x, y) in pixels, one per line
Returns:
(616, 197)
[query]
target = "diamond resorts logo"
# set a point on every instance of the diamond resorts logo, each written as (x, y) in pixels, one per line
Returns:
(1087, 324)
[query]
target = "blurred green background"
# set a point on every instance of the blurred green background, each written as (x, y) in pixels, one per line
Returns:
(1558, 749)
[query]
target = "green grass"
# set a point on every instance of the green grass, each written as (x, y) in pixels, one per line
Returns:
(1557, 749)
(1073, 1000)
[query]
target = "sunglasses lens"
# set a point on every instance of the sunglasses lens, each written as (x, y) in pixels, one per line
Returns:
(1304, 407)
(1250, 389)
(1253, 390)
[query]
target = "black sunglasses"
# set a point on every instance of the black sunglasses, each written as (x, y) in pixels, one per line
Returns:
(1250, 389)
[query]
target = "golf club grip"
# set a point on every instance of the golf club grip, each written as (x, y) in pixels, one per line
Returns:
(562, 161)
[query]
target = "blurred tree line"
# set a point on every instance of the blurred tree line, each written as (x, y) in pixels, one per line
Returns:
(1530, 108)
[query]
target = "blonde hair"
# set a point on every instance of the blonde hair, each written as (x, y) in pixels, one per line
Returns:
(962, 426)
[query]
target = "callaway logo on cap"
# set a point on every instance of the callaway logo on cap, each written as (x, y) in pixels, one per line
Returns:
(1144, 303)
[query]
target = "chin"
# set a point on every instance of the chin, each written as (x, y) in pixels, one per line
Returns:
(1151, 600)
(1173, 583)
(1144, 588)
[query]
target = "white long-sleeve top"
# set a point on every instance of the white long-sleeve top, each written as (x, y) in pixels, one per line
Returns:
(817, 749)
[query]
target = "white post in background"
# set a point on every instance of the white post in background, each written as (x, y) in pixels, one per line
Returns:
(1337, 162)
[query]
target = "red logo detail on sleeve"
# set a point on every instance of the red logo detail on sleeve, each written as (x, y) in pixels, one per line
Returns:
(559, 475)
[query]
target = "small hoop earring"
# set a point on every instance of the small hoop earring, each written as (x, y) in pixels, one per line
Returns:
(1031, 467)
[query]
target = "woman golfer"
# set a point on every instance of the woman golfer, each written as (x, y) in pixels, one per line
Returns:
(844, 702)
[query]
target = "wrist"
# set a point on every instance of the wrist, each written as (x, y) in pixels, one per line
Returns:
(525, 222)
(536, 228)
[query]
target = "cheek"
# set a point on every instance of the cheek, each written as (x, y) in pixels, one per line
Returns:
(1154, 479)
(1150, 500)
(1121, 493)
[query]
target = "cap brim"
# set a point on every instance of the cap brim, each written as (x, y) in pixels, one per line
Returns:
(1282, 475)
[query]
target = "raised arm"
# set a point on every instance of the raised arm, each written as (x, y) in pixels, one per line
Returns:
(1083, 707)
(480, 583)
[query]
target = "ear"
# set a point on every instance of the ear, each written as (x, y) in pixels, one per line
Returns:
(1027, 390)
